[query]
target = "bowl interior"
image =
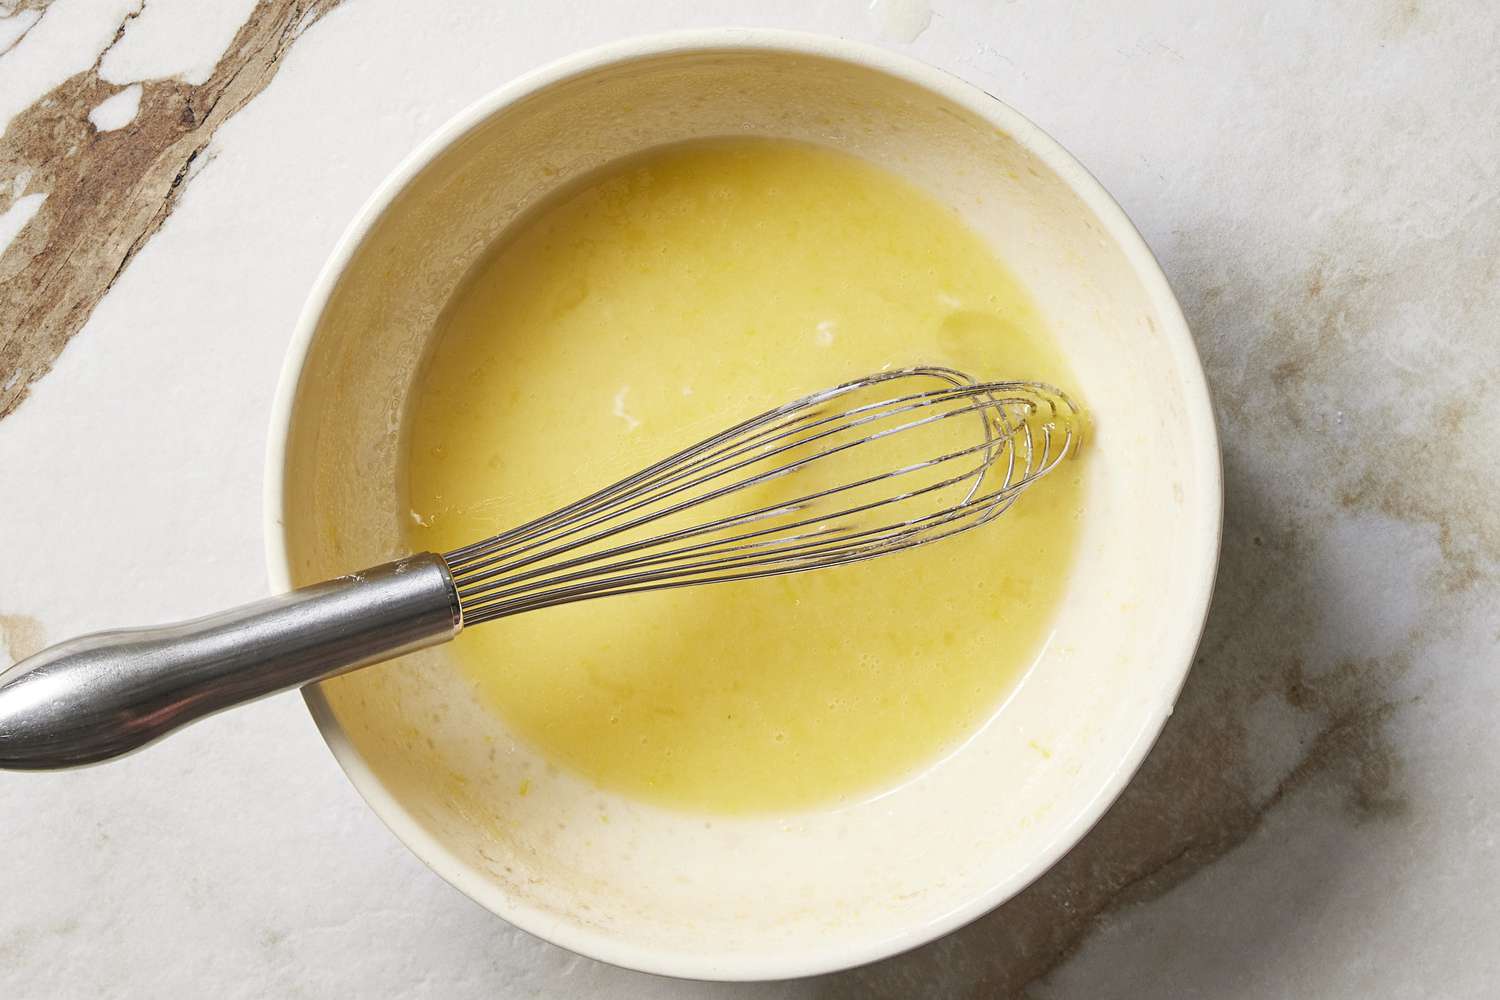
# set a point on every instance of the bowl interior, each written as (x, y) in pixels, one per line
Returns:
(768, 896)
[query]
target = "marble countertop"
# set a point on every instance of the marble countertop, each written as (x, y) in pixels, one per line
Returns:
(1320, 182)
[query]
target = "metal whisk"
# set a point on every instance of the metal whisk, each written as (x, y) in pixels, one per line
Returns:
(875, 466)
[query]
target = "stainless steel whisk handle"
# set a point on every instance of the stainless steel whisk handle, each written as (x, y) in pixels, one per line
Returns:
(106, 694)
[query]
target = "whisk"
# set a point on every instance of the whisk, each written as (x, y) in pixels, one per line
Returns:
(868, 468)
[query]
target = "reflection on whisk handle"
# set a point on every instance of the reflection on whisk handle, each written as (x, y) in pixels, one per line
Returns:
(106, 694)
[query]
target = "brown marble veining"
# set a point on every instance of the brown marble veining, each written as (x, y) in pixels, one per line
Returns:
(109, 192)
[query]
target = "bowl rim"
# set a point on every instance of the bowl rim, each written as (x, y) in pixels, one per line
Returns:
(1182, 643)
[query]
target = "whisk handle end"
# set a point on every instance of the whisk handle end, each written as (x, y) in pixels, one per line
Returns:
(102, 695)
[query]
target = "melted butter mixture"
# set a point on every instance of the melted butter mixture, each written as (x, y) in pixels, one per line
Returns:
(659, 302)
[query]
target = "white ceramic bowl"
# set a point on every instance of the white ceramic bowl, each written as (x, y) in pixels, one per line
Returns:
(789, 895)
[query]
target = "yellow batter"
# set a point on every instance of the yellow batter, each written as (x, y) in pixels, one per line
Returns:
(661, 301)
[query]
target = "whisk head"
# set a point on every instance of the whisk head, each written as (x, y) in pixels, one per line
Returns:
(870, 467)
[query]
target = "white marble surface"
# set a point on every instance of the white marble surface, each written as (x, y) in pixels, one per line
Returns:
(1320, 181)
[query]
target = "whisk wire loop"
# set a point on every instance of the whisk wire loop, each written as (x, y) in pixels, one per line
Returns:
(832, 484)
